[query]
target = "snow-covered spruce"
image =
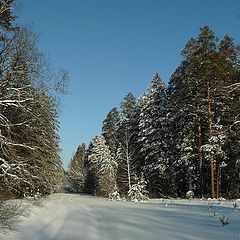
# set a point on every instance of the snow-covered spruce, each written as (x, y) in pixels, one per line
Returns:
(115, 196)
(138, 192)
(104, 167)
(153, 139)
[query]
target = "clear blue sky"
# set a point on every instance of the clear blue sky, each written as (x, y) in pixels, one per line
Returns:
(112, 47)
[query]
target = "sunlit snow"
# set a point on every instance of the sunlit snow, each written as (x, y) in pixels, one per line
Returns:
(69, 216)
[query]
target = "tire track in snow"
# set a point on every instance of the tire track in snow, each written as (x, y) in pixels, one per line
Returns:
(81, 221)
(78, 217)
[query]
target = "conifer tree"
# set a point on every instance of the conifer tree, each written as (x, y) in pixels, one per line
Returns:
(76, 173)
(109, 130)
(152, 137)
(200, 113)
(90, 183)
(104, 167)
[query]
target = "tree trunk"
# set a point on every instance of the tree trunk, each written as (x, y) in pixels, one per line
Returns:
(214, 175)
(199, 141)
(128, 162)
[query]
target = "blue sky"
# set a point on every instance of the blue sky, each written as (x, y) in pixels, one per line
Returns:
(112, 47)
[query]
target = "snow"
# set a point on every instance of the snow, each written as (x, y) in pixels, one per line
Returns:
(83, 217)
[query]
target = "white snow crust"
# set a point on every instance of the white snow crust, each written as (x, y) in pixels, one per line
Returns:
(83, 217)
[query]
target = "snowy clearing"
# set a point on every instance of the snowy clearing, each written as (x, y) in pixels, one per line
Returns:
(69, 216)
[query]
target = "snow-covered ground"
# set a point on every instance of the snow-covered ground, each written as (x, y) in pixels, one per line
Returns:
(82, 217)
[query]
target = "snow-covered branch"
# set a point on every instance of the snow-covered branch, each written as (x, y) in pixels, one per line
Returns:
(233, 87)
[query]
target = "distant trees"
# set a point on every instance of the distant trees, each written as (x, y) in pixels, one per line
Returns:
(77, 173)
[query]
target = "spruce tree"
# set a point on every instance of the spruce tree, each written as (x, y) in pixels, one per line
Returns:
(184, 130)
(76, 172)
(152, 137)
(103, 166)
(109, 130)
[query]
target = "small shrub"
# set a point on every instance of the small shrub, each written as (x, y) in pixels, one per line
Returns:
(235, 205)
(10, 213)
(224, 220)
(115, 196)
(138, 192)
(189, 194)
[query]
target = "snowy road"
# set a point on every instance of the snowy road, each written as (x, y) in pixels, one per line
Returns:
(68, 216)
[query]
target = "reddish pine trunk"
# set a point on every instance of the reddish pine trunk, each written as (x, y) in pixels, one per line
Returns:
(214, 171)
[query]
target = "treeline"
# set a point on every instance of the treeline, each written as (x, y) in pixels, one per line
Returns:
(29, 143)
(175, 138)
